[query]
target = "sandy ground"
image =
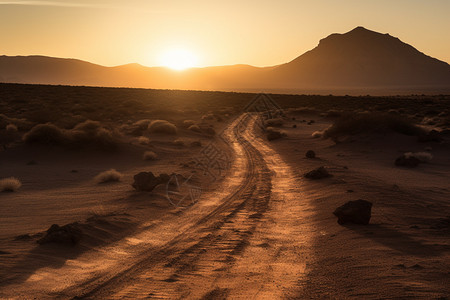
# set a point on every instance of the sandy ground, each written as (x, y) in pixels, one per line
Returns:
(261, 232)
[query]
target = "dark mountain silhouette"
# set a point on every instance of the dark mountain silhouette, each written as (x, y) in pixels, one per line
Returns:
(360, 61)
(364, 58)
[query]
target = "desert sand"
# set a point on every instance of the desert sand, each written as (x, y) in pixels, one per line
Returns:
(259, 229)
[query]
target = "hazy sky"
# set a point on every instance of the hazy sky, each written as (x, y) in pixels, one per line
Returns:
(255, 32)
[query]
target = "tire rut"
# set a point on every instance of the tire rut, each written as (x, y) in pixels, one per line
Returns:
(210, 247)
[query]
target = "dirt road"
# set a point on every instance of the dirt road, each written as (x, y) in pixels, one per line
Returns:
(248, 239)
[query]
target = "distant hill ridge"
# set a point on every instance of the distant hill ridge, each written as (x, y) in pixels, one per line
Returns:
(354, 62)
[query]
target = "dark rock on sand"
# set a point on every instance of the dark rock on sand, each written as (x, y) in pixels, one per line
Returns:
(407, 161)
(318, 173)
(310, 154)
(146, 181)
(358, 212)
(67, 234)
(274, 134)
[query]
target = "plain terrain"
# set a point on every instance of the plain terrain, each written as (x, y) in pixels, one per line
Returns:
(260, 229)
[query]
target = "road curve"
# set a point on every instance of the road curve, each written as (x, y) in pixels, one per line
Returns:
(248, 239)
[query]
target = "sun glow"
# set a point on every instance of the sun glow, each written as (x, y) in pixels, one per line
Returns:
(179, 59)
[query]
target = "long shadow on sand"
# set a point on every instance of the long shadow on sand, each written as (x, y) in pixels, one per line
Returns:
(97, 231)
(397, 240)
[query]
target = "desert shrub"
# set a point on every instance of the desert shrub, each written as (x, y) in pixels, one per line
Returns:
(142, 124)
(88, 126)
(20, 123)
(92, 136)
(86, 134)
(47, 134)
(143, 140)
(11, 128)
(425, 157)
(150, 155)
(10, 184)
(194, 128)
(162, 126)
(188, 123)
(108, 176)
(137, 128)
(351, 124)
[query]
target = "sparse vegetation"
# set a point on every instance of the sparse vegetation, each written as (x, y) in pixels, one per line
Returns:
(10, 184)
(143, 140)
(150, 155)
(108, 176)
(11, 128)
(86, 134)
(363, 123)
(47, 134)
(162, 126)
(194, 128)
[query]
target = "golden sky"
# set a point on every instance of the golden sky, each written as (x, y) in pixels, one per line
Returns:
(255, 32)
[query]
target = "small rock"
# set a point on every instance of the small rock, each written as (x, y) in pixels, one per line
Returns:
(67, 234)
(294, 126)
(358, 212)
(146, 181)
(407, 161)
(310, 154)
(318, 173)
(273, 135)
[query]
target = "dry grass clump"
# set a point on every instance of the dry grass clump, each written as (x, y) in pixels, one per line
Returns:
(86, 134)
(188, 123)
(143, 140)
(138, 128)
(10, 184)
(194, 128)
(47, 134)
(92, 134)
(11, 128)
(142, 124)
(150, 155)
(352, 124)
(108, 176)
(19, 123)
(162, 126)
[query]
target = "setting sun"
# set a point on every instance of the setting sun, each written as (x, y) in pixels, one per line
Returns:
(179, 59)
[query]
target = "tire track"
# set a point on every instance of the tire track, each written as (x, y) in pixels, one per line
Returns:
(210, 246)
